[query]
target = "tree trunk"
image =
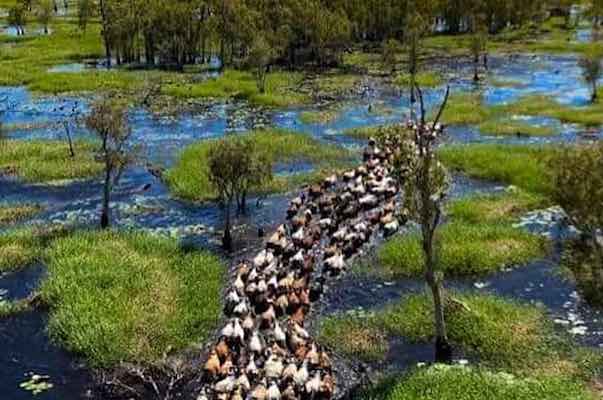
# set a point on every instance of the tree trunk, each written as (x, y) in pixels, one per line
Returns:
(105, 219)
(443, 350)
(227, 238)
(594, 95)
(69, 140)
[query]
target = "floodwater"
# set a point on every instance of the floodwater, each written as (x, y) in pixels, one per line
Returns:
(143, 202)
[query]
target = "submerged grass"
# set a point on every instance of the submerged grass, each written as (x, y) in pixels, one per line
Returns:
(44, 161)
(423, 79)
(515, 128)
(13, 213)
(189, 178)
(522, 166)
(129, 296)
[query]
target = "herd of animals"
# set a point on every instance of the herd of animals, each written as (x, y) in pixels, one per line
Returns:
(264, 352)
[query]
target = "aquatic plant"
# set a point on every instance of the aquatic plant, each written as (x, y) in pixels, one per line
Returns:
(13, 213)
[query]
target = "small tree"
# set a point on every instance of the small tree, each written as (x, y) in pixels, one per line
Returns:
(85, 10)
(260, 57)
(44, 13)
(71, 117)
(478, 44)
(424, 182)
(577, 186)
(17, 17)
(235, 167)
(390, 51)
(591, 70)
(108, 119)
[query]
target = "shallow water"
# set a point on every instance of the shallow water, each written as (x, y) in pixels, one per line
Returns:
(26, 350)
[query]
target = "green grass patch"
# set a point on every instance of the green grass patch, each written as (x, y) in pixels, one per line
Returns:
(465, 249)
(522, 166)
(25, 246)
(502, 334)
(45, 161)
(508, 128)
(335, 84)
(281, 88)
(189, 178)
(13, 213)
(130, 296)
(423, 79)
(466, 109)
(354, 337)
(442, 382)
(502, 208)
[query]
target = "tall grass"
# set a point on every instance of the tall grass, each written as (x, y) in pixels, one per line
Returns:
(130, 297)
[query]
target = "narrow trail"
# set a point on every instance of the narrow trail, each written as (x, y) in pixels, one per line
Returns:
(264, 351)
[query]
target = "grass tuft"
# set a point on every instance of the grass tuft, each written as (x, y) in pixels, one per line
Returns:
(129, 296)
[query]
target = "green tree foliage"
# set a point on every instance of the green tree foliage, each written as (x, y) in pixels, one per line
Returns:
(108, 120)
(390, 51)
(236, 166)
(297, 31)
(17, 17)
(44, 13)
(577, 174)
(85, 11)
(260, 58)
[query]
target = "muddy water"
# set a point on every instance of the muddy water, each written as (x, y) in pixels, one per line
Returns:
(143, 202)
